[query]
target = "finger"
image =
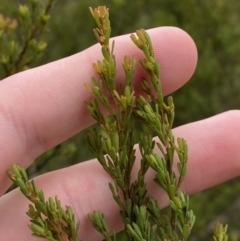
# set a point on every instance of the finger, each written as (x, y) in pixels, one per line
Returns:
(42, 107)
(214, 157)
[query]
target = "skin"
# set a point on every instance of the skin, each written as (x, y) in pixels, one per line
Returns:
(43, 107)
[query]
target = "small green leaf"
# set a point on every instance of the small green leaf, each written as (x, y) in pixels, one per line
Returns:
(41, 207)
(37, 229)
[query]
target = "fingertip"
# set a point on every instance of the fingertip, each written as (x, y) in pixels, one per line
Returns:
(177, 56)
(214, 154)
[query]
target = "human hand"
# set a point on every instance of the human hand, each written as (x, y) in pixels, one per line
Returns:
(42, 107)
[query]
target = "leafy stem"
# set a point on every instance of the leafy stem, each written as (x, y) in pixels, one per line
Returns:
(114, 148)
(48, 218)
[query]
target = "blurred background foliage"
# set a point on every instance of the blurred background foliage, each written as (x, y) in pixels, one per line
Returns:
(214, 88)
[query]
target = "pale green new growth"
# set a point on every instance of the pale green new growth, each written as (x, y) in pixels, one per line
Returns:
(220, 233)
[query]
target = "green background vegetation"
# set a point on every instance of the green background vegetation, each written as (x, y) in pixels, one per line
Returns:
(214, 88)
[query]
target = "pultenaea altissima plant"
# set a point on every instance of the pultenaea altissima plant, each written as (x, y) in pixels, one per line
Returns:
(114, 147)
